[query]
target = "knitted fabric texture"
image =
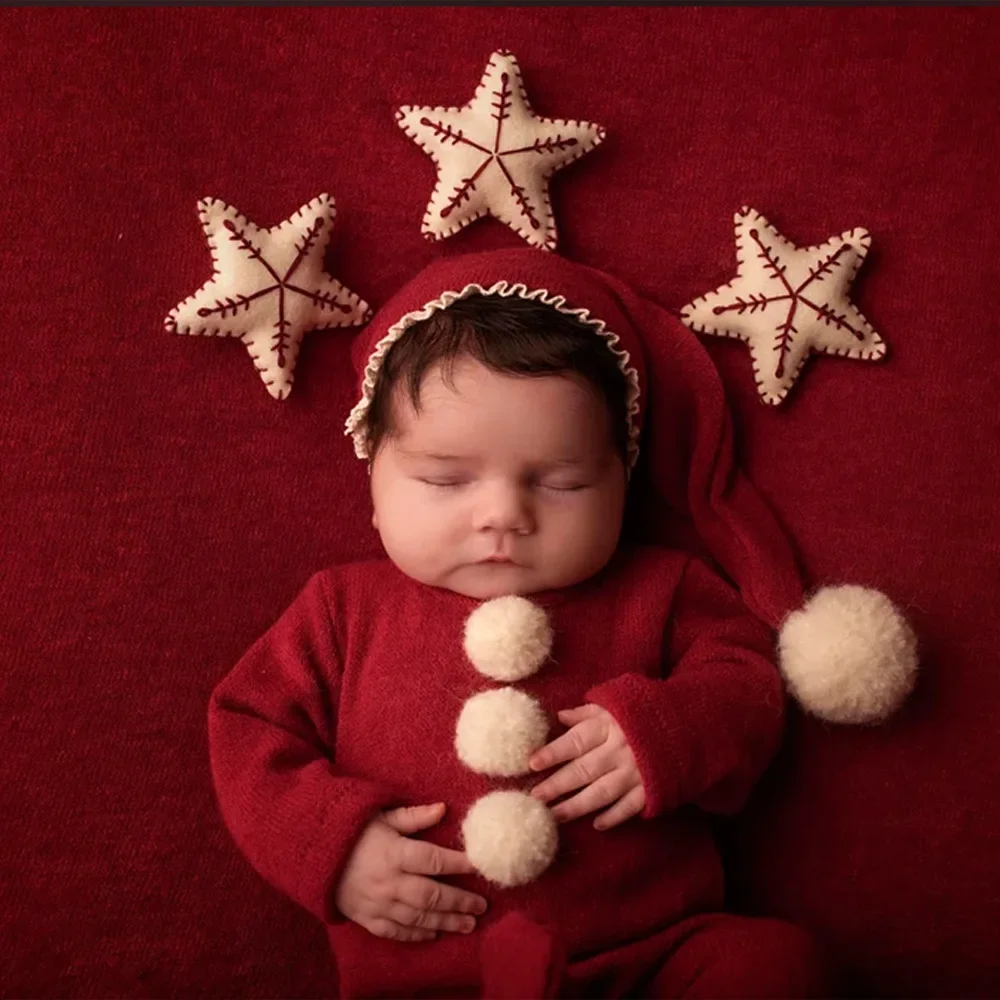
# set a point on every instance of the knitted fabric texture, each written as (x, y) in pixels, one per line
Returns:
(337, 711)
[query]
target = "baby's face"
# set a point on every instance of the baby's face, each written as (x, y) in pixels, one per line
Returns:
(521, 471)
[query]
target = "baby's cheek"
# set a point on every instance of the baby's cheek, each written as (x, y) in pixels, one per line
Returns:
(574, 519)
(436, 528)
(456, 525)
(591, 538)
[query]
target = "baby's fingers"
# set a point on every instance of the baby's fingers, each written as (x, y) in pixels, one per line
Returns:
(626, 807)
(412, 819)
(426, 894)
(571, 716)
(420, 857)
(582, 738)
(391, 931)
(598, 794)
(576, 774)
(431, 920)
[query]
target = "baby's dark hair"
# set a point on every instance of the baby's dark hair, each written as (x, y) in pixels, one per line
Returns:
(509, 335)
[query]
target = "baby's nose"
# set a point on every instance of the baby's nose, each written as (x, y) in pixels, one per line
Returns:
(505, 507)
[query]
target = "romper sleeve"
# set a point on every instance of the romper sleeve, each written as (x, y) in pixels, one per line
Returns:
(271, 726)
(705, 732)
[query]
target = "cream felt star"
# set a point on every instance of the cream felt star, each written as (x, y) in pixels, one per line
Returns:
(269, 287)
(495, 156)
(787, 302)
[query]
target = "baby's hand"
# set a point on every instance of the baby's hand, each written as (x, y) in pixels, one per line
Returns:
(385, 887)
(601, 763)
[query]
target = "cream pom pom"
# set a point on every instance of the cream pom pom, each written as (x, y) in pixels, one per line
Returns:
(510, 837)
(508, 638)
(848, 655)
(499, 730)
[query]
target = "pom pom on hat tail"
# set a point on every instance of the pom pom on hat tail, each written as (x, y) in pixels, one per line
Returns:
(848, 655)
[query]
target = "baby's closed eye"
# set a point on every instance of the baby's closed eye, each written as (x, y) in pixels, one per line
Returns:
(565, 487)
(445, 482)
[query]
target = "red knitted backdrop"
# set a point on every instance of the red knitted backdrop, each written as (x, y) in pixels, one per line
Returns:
(159, 509)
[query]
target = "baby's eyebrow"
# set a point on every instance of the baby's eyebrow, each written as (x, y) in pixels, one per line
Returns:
(434, 455)
(438, 456)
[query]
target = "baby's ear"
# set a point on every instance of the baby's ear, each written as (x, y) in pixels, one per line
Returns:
(375, 520)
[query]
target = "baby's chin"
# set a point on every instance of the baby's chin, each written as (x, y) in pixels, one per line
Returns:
(487, 580)
(484, 581)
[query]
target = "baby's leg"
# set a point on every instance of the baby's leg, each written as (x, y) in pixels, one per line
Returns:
(725, 956)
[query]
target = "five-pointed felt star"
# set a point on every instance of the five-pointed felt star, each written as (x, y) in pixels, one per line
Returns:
(787, 302)
(269, 287)
(495, 156)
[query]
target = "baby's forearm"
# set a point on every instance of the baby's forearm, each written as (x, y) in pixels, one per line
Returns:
(289, 807)
(293, 816)
(705, 732)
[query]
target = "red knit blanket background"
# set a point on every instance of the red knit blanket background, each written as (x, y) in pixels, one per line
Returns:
(159, 509)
